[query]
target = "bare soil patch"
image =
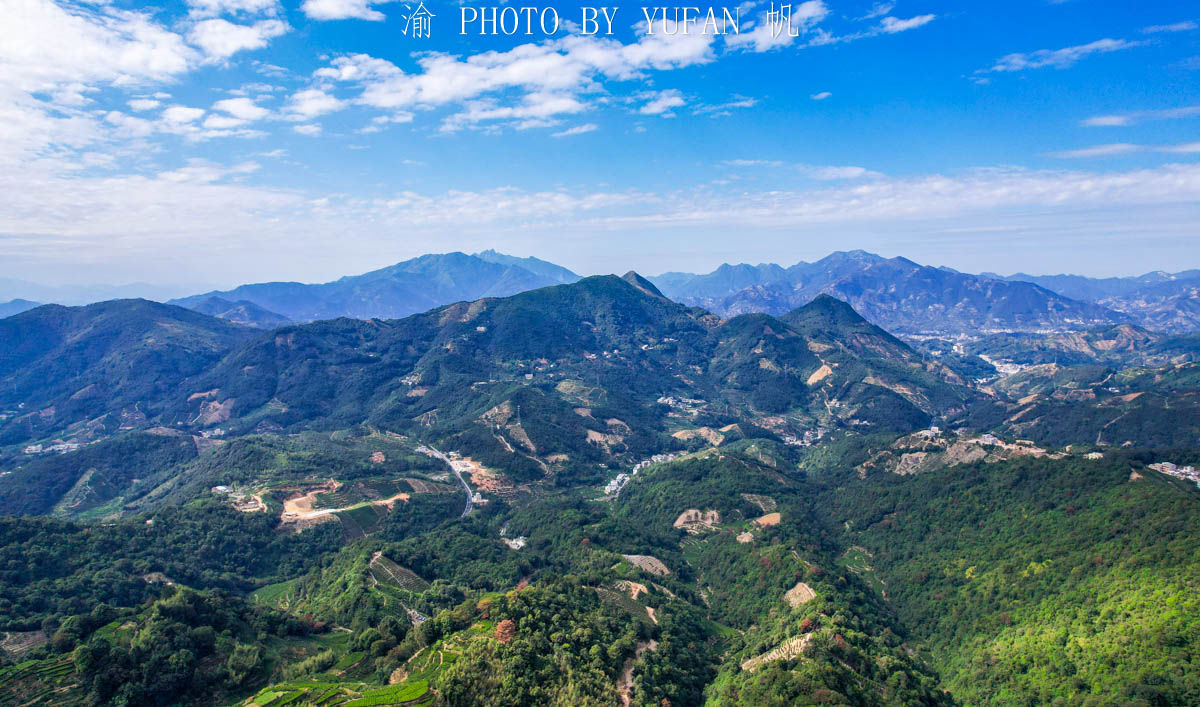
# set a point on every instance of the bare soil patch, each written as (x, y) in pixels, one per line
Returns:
(819, 375)
(769, 519)
(18, 643)
(708, 434)
(694, 520)
(625, 682)
(799, 595)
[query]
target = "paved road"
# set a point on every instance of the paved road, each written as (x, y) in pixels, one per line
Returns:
(461, 480)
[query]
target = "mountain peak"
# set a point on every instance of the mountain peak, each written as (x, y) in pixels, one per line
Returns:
(16, 306)
(831, 308)
(851, 256)
(641, 283)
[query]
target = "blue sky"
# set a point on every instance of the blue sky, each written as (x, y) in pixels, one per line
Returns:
(223, 141)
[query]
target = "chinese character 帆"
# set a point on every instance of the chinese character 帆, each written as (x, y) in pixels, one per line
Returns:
(781, 20)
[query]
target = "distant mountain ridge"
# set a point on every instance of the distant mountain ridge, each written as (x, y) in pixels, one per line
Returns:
(896, 293)
(1162, 301)
(399, 290)
(1095, 289)
(242, 312)
(8, 309)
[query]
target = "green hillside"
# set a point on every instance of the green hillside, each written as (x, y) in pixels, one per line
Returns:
(586, 494)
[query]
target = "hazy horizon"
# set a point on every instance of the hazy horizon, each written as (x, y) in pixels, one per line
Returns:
(77, 292)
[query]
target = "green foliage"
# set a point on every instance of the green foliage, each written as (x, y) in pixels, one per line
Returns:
(50, 569)
(93, 475)
(186, 645)
(856, 652)
(567, 649)
(391, 695)
(1038, 580)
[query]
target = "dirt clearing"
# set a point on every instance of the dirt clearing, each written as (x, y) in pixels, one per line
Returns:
(799, 595)
(769, 519)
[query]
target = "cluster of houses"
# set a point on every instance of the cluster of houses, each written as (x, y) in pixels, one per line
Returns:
(612, 488)
(807, 438)
(59, 448)
(1187, 473)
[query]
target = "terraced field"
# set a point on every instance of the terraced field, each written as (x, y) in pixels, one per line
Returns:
(362, 521)
(387, 572)
(329, 694)
(39, 682)
(429, 663)
(278, 595)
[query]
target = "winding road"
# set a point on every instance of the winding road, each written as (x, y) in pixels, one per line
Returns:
(454, 467)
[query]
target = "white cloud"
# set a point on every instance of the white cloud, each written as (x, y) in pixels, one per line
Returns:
(313, 102)
(892, 25)
(214, 8)
(72, 95)
(72, 44)
(879, 9)
(206, 172)
(343, 9)
(828, 173)
(536, 110)
(1190, 148)
(242, 108)
(661, 103)
(379, 122)
(752, 163)
(223, 122)
(1110, 150)
(1124, 148)
(1108, 121)
(1124, 119)
(524, 87)
(1060, 58)
(221, 39)
(308, 129)
(1185, 26)
(577, 130)
(722, 109)
(831, 173)
(143, 104)
(182, 114)
(821, 96)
